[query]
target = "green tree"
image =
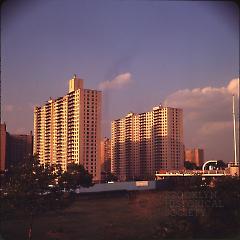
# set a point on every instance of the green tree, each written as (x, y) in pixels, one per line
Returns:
(32, 188)
(110, 177)
(189, 165)
(75, 177)
(221, 164)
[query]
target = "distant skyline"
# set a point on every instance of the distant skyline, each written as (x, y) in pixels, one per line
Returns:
(139, 53)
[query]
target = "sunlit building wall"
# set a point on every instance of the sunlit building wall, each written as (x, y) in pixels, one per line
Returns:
(146, 142)
(68, 129)
(3, 147)
(106, 155)
(195, 155)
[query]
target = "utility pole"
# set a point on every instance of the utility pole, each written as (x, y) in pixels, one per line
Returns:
(234, 133)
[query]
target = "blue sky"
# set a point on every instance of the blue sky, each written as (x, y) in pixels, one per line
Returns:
(164, 46)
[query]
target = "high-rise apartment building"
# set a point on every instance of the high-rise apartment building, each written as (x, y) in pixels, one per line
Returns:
(106, 155)
(68, 129)
(195, 155)
(147, 142)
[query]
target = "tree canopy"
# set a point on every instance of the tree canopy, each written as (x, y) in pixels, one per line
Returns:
(190, 166)
(75, 177)
(33, 188)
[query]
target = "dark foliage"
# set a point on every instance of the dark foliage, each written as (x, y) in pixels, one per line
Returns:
(221, 164)
(31, 188)
(190, 166)
(110, 177)
(75, 177)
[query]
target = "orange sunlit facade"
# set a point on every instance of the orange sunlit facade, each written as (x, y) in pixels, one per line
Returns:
(106, 155)
(68, 129)
(147, 142)
(195, 155)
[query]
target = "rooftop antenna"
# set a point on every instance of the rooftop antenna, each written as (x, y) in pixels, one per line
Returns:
(234, 133)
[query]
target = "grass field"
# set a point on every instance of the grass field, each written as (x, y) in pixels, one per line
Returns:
(138, 215)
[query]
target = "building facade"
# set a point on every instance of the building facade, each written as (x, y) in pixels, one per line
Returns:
(68, 129)
(195, 155)
(3, 147)
(147, 142)
(15, 148)
(106, 155)
(19, 148)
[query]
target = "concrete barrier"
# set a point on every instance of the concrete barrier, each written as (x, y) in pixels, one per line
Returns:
(119, 186)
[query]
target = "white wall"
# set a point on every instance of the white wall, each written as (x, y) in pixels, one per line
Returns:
(118, 186)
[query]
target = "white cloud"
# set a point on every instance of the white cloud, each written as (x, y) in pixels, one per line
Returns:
(118, 82)
(233, 86)
(208, 117)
